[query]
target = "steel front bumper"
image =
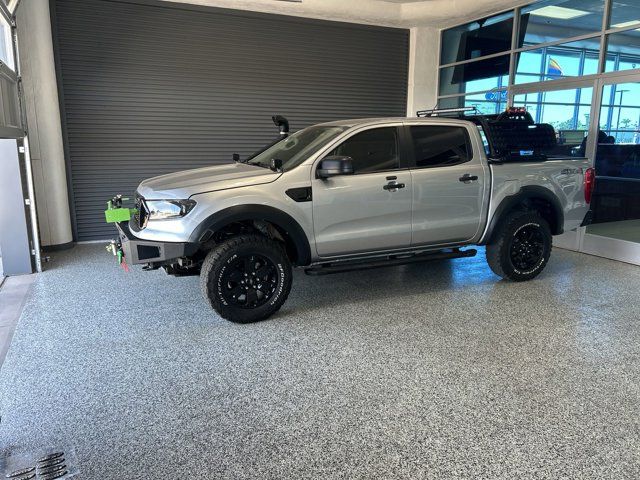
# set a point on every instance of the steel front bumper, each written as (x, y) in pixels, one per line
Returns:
(138, 251)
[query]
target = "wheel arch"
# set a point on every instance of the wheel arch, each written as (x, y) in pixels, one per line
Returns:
(293, 234)
(531, 197)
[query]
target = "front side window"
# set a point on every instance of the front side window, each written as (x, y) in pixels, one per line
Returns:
(440, 146)
(372, 150)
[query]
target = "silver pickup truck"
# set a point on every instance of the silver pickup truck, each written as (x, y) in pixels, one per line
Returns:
(359, 194)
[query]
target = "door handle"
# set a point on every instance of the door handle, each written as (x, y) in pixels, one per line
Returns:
(466, 178)
(393, 186)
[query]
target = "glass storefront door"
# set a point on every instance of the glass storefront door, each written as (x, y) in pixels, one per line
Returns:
(568, 110)
(599, 119)
(615, 232)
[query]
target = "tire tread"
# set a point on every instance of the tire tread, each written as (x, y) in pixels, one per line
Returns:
(495, 251)
(216, 255)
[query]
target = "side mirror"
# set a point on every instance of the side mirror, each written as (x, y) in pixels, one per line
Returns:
(335, 165)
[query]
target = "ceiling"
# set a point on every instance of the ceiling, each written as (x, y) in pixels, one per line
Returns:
(404, 1)
(396, 13)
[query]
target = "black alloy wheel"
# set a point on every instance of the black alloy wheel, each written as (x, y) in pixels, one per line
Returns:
(246, 278)
(520, 247)
(249, 282)
(527, 247)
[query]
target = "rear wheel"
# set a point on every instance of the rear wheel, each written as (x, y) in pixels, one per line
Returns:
(521, 247)
(246, 278)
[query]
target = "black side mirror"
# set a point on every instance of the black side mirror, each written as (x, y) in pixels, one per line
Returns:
(335, 165)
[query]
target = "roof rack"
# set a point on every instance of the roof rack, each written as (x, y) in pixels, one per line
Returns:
(436, 112)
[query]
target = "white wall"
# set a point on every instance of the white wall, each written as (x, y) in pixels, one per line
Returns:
(445, 13)
(423, 69)
(44, 123)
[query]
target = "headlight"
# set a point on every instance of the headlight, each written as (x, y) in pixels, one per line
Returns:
(166, 209)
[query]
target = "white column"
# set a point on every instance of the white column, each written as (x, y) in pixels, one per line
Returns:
(423, 69)
(43, 117)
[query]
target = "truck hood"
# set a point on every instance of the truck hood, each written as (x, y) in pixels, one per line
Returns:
(181, 185)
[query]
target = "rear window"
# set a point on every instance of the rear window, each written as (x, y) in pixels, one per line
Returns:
(440, 146)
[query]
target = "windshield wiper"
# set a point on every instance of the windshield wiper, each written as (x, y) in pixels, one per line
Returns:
(259, 164)
(275, 166)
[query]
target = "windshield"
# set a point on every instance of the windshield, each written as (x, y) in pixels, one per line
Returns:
(296, 148)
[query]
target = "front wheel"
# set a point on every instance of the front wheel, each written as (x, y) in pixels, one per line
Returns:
(521, 247)
(246, 278)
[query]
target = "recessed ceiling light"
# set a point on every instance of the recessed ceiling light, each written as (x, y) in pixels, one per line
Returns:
(559, 12)
(625, 24)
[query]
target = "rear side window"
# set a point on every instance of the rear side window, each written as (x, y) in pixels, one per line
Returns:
(372, 150)
(440, 146)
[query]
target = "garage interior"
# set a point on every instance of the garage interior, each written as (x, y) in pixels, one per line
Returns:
(435, 370)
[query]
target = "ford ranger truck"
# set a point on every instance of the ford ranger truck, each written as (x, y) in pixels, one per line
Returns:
(359, 194)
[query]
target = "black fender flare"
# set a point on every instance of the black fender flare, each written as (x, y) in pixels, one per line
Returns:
(238, 213)
(526, 193)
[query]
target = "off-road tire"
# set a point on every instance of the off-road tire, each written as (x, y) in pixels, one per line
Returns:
(499, 250)
(222, 257)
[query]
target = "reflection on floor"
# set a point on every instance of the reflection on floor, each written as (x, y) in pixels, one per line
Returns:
(424, 371)
(13, 293)
(628, 230)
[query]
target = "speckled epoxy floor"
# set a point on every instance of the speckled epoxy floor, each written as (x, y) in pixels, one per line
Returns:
(425, 371)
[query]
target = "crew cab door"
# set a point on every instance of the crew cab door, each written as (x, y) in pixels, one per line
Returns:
(448, 184)
(370, 209)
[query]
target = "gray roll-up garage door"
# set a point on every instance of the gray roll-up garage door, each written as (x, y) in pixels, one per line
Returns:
(151, 88)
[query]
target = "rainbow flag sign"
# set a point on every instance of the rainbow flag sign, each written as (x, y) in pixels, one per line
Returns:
(553, 68)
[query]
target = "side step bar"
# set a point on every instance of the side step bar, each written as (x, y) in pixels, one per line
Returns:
(352, 265)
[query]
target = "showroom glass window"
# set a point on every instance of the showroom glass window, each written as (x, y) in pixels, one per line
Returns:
(477, 39)
(623, 51)
(6, 47)
(572, 59)
(440, 146)
(374, 150)
(551, 20)
(624, 14)
(478, 76)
